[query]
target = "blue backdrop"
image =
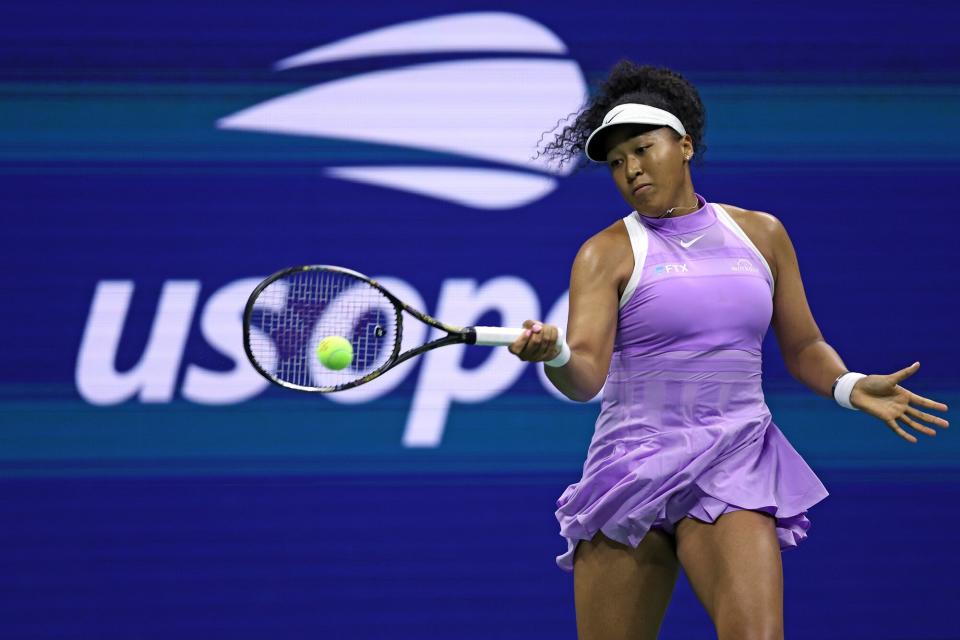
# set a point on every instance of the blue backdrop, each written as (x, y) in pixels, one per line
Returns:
(159, 159)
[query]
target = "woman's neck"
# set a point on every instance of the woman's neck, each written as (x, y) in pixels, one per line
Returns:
(685, 203)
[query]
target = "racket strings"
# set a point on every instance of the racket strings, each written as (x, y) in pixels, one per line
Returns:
(294, 313)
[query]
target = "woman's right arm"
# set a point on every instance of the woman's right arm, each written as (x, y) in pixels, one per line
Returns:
(595, 279)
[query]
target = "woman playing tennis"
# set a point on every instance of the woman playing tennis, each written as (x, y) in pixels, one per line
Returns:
(668, 309)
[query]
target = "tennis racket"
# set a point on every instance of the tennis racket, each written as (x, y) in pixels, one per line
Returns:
(289, 313)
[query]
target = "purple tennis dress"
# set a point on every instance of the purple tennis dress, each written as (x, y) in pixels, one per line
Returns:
(683, 428)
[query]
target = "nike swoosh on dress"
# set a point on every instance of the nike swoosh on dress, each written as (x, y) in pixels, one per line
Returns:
(688, 244)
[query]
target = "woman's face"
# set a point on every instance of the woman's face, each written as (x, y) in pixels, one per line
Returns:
(649, 166)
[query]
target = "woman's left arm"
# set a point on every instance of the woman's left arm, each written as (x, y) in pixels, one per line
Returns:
(816, 364)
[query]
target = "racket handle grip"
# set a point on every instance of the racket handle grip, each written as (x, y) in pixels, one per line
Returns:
(496, 336)
(503, 336)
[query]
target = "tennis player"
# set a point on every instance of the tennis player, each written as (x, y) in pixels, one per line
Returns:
(669, 307)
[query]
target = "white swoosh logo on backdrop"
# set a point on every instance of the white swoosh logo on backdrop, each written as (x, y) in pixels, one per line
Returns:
(480, 31)
(492, 110)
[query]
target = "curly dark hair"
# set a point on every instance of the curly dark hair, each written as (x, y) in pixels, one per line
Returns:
(628, 82)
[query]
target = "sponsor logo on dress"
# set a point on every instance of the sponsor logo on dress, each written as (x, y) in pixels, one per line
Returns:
(686, 244)
(671, 268)
(744, 265)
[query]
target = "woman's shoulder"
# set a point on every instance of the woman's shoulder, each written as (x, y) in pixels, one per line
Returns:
(608, 251)
(752, 221)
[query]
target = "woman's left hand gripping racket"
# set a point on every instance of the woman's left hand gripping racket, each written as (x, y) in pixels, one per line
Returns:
(292, 311)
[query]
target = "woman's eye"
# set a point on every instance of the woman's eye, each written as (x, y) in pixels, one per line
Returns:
(640, 150)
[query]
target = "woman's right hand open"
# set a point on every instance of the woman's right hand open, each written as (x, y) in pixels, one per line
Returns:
(538, 343)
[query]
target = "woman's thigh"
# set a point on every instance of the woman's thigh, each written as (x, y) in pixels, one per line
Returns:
(621, 592)
(734, 567)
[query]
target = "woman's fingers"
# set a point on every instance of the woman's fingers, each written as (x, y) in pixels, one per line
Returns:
(545, 337)
(549, 341)
(542, 341)
(917, 426)
(916, 413)
(900, 432)
(536, 343)
(520, 344)
(927, 402)
(903, 374)
(533, 345)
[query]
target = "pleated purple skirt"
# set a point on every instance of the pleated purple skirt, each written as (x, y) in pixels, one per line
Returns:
(685, 437)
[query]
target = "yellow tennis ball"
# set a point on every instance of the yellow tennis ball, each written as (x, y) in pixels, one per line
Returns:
(335, 352)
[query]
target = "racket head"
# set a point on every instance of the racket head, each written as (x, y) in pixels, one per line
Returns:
(291, 311)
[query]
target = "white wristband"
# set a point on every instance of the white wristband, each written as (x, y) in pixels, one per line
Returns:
(562, 358)
(843, 387)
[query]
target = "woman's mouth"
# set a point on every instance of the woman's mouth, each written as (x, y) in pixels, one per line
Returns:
(641, 188)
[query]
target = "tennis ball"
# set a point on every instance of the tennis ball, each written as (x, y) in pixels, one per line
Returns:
(335, 352)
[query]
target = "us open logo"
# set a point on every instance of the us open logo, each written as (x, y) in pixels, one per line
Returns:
(491, 110)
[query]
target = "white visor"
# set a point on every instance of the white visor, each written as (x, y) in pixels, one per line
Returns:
(630, 113)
